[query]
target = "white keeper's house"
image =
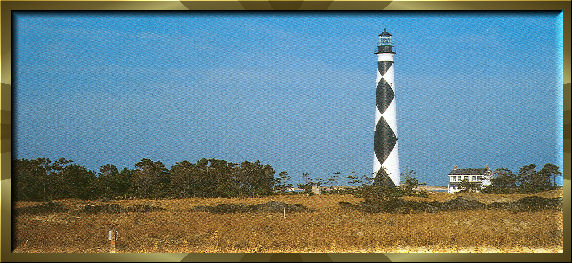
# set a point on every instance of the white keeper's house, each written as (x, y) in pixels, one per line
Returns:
(481, 176)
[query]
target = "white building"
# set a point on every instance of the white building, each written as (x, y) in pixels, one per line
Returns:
(481, 176)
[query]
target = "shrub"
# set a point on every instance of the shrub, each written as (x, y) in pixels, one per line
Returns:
(44, 208)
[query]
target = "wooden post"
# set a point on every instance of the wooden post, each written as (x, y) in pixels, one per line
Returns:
(284, 212)
(113, 237)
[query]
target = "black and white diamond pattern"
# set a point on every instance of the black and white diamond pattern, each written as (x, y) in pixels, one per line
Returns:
(385, 139)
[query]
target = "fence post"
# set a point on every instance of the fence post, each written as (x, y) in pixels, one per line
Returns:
(113, 236)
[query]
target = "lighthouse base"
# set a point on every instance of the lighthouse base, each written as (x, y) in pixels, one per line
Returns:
(391, 166)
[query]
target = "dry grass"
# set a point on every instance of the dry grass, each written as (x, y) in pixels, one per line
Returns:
(328, 229)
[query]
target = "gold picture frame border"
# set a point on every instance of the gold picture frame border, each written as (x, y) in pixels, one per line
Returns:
(6, 8)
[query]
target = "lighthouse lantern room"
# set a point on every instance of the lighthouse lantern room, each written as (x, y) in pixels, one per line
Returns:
(384, 44)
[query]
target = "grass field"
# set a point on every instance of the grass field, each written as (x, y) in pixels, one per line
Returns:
(329, 228)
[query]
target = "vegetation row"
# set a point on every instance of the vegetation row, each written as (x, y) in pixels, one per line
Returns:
(42, 180)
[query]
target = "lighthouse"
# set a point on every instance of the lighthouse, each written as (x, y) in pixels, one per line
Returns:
(385, 143)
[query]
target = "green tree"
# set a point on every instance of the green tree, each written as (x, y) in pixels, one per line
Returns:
(77, 182)
(353, 179)
(503, 181)
(151, 179)
(262, 179)
(367, 179)
(185, 179)
(41, 179)
(526, 178)
(105, 181)
(333, 179)
(377, 194)
(283, 181)
(226, 179)
(381, 190)
(125, 183)
(532, 181)
(31, 178)
(306, 178)
(113, 184)
(549, 173)
(205, 185)
(308, 182)
(469, 187)
(410, 181)
(57, 183)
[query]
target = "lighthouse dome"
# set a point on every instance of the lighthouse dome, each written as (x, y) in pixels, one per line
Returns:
(384, 34)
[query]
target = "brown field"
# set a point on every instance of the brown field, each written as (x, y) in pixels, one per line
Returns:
(326, 230)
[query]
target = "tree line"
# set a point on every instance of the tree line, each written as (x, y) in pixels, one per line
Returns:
(527, 180)
(42, 179)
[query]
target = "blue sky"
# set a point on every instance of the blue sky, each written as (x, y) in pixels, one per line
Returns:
(293, 90)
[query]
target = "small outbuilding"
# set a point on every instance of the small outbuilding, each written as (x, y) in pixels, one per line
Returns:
(316, 189)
